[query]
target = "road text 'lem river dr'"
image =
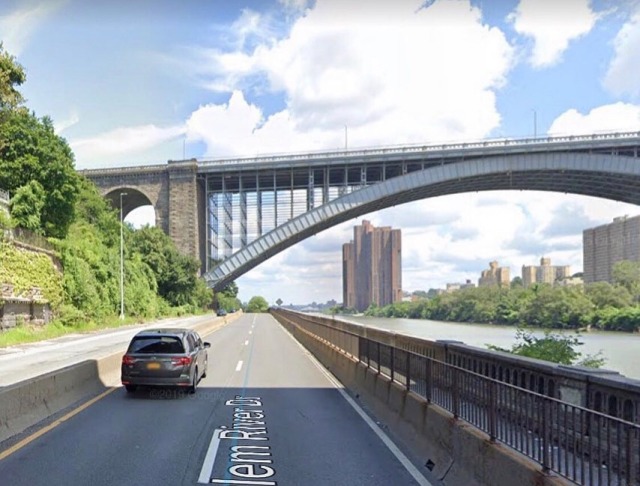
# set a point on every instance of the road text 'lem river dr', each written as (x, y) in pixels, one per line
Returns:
(248, 459)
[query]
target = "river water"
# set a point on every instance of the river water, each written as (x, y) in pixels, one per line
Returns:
(621, 350)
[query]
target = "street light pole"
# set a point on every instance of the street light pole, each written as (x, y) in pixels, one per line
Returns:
(345, 137)
(121, 258)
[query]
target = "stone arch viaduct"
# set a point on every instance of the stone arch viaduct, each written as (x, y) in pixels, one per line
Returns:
(233, 214)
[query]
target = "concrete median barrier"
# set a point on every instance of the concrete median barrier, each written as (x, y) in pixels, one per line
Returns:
(28, 402)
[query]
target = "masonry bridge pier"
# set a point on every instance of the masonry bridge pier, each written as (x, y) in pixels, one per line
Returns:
(234, 213)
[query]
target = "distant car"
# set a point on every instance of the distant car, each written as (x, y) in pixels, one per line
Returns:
(165, 357)
(222, 312)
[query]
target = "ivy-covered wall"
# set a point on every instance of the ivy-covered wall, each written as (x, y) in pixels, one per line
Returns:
(25, 269)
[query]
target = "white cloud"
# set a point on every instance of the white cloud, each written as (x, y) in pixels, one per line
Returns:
(129, 141)
(17, 27)
(624, 70)
(552, 25)
(390, 73)
(61, 126)
(617, 117)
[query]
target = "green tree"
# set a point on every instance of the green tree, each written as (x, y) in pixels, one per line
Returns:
(627, 274)
(31, 151)
(603, 295)
(26, 206)
(176, 274)
(564, 307)
(11, 75)
(90, 256)
(554, 347)
(257, 304)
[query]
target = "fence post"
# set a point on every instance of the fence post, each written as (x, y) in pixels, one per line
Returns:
(392, 363)
(493, 422)
(428, 378)
(408, 355)
(545, 435)
(455, 391)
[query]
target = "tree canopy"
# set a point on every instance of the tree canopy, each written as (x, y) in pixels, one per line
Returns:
(257, 304)
(12, 75)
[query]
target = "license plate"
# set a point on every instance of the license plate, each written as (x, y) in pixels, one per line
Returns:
(153, 366)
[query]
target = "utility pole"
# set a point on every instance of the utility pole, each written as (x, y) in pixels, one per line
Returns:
(122, 258)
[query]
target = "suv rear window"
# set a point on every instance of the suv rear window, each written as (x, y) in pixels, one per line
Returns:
(156, 345)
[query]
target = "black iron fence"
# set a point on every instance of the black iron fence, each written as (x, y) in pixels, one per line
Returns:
(582, 445)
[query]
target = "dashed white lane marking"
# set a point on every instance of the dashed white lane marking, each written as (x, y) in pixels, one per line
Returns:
(246, 343)
(209, 459)
(239, 366)
(250, 332)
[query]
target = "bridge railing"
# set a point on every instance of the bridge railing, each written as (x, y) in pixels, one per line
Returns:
(415, 148)
(582, 445)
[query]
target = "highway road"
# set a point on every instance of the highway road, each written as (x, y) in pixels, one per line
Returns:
(18, 363)
(266, 414)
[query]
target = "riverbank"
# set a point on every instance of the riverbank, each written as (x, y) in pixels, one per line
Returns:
(620, 350)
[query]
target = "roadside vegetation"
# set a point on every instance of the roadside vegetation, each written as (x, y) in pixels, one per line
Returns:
(602, 306)
(81, 277)
(568, 310)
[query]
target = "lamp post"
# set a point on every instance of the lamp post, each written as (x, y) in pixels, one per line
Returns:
(345, 137)
(121, 258)
(535, 124)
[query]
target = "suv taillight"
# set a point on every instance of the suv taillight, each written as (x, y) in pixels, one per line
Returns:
(182, 361)
(128, 360)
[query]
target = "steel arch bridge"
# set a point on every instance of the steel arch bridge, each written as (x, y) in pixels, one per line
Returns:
(258, 207)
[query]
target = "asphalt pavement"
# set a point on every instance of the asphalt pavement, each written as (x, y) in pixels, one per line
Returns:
(266, 414)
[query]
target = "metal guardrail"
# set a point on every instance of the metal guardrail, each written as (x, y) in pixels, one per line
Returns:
(30, 238)
(418, 148)
(581, 445)
(437, 148)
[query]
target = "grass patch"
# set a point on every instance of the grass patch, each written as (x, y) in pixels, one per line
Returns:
(27, 333)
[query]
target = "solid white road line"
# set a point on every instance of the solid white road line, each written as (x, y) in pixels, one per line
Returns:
(209, 459)
(239, 366)
(404, 460)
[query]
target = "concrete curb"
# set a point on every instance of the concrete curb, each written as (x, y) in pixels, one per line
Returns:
(28, 402)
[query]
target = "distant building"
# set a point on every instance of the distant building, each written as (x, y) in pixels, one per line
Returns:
(570, 282)
(372, 267)
(495, 276)
(452, 287)
(544, 273)
(606, 245)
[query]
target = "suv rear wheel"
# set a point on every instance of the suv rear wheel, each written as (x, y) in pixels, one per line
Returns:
(194, 384)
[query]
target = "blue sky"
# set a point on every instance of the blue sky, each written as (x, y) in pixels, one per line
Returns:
(141, 82)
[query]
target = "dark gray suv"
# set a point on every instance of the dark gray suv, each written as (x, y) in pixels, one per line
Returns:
(165, 357)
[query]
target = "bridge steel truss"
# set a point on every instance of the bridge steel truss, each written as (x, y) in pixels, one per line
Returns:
(257, 207)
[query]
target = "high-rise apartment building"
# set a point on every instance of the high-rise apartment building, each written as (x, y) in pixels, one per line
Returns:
(606, 245)
(495, 276)
(544, 273)
(372, 267)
